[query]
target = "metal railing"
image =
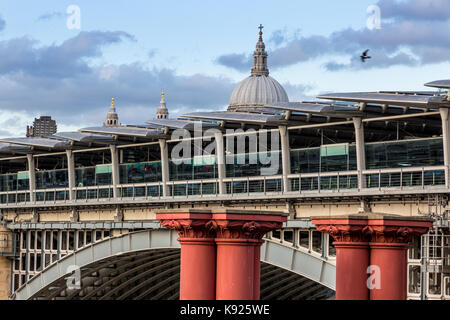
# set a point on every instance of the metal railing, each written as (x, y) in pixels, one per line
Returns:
(335, 182)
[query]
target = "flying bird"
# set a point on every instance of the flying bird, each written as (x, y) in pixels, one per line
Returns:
(365, 56)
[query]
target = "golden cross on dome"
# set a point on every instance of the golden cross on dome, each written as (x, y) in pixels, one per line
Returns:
(112, 102)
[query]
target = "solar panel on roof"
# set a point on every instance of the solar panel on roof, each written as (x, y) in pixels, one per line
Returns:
(245, 117)
(317, 108)
(443, 84)
(10, 148)
(38, 142)
(385, 98)
(125, 131)
(180, 124)
(84, 137)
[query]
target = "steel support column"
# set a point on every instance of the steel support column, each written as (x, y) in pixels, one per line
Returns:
(71, 174)
(360, 151)
(32, 177)
(285, 157)
(115, 170)
(446, 142)
(164, 166)
(220, 160)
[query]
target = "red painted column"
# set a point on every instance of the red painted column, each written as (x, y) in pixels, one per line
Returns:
(257, 271)
(352, 256)
(371, 253)
(388, 256)
(238, 240)
(198, 253)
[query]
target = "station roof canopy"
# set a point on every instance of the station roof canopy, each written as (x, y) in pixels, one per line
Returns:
(317, 108)
(388, 97)
(443, 84)
(39, 142)
(181, 124)
(85, 137)
(241, 117)
(14, 148)
(129, 131)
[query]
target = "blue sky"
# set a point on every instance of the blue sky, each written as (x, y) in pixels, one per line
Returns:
(197, 51)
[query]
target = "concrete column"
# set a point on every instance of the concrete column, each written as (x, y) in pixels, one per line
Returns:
(360, 151)
(6, 249)
(164, 166)
(32, 176)
(220, 160)
(285, 157)
(446, 142)
(115, 170)
(71, 174)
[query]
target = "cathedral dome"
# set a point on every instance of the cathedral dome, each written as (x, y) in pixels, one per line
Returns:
(259, 88)
(256, 91)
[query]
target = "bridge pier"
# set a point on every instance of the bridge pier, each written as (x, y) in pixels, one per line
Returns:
(6, 250)
(220, 251)
(371, 253)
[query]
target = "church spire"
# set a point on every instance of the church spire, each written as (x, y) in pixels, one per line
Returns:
(162, 112)
(260, 57)
(112, 119)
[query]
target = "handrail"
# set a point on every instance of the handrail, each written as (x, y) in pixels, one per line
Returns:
(320, 182)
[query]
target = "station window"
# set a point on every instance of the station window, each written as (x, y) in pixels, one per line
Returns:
(288, 236)
(276, 234)
(304, 239)
(434, 283)
(64, 240)
(447, 287)
(331, 247)
(414, 279)
(88, 237)
(317, 241)
(54, 240)
(414, 250)
(48, 242)
(80, 239)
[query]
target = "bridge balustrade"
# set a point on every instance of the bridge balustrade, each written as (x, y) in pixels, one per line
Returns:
(389, 178)
(310, 241)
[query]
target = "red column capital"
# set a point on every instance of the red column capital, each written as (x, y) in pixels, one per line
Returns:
(352, 255)
(238, 239)
(198, 252)
(390, 237)
(220, 250)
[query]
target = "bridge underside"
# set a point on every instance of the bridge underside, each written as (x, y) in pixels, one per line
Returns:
(154, 275)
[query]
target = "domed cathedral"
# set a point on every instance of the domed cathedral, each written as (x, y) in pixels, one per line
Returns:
(259, 88)
(112, 119)
(162, 112)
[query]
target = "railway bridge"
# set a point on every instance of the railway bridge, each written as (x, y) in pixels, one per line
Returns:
(86, 203)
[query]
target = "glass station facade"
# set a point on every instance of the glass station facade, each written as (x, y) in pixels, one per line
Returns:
(404, 163)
